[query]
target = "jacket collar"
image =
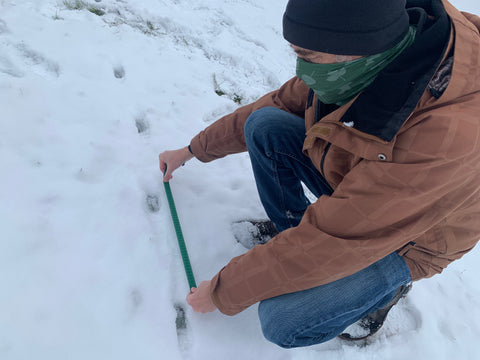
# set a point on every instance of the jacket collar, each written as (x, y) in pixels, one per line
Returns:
(382, 108)
(465, 77)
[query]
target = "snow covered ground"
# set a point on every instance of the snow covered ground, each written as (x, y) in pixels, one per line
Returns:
(90, 92)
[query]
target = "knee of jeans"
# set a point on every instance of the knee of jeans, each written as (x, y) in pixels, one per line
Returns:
(257, 122)
(276, 327)
(284, 327)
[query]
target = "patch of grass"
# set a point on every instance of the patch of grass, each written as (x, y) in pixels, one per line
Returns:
(116, 22)
(150, 26)
(145, 26)
(237, 98)
(216, 86)
(81, 5)
(57, 17)
(182, 40)
(74, 4)
(96, 11)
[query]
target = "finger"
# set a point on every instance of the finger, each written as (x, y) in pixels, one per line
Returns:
(168, 176)
(190, 295)
(162, 164)
(163, 167)
(167, 172)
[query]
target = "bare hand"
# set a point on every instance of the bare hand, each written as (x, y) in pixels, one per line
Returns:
(199, 298)
(173, 159)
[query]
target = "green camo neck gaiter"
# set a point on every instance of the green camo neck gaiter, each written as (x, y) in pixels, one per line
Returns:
(338, 83)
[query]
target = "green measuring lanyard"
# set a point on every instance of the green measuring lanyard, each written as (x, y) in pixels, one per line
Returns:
(178, 231)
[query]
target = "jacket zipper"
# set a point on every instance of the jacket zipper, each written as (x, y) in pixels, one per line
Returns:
(322, 172)
(323, 159)
(317, 111)
(310, 99)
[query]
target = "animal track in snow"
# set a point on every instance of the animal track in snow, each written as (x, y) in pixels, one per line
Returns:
(38, 61)
(183, 333)
(3, 27)
(153, 203)
(9, 68)
(23, 57)
(180, 320)
(119, 72)
(141, 123)
(136, 299)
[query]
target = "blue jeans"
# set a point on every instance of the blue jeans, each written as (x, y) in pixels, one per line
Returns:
(274, 140)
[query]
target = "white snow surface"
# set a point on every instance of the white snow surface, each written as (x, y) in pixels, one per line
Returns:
(89, 263)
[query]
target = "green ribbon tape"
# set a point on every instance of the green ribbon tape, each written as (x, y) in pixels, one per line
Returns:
(181, 241)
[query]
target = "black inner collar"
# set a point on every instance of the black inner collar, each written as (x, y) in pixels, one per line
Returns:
(383, 107)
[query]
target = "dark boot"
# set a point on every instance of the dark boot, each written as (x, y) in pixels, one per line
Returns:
(250, 233)
(371, 323)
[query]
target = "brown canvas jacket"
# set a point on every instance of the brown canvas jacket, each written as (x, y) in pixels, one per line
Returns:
(411, 186)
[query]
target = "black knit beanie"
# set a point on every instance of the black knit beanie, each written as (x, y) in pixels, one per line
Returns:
(345, 27)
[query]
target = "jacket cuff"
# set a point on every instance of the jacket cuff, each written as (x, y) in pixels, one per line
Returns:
(197, 149)
(213, 294)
